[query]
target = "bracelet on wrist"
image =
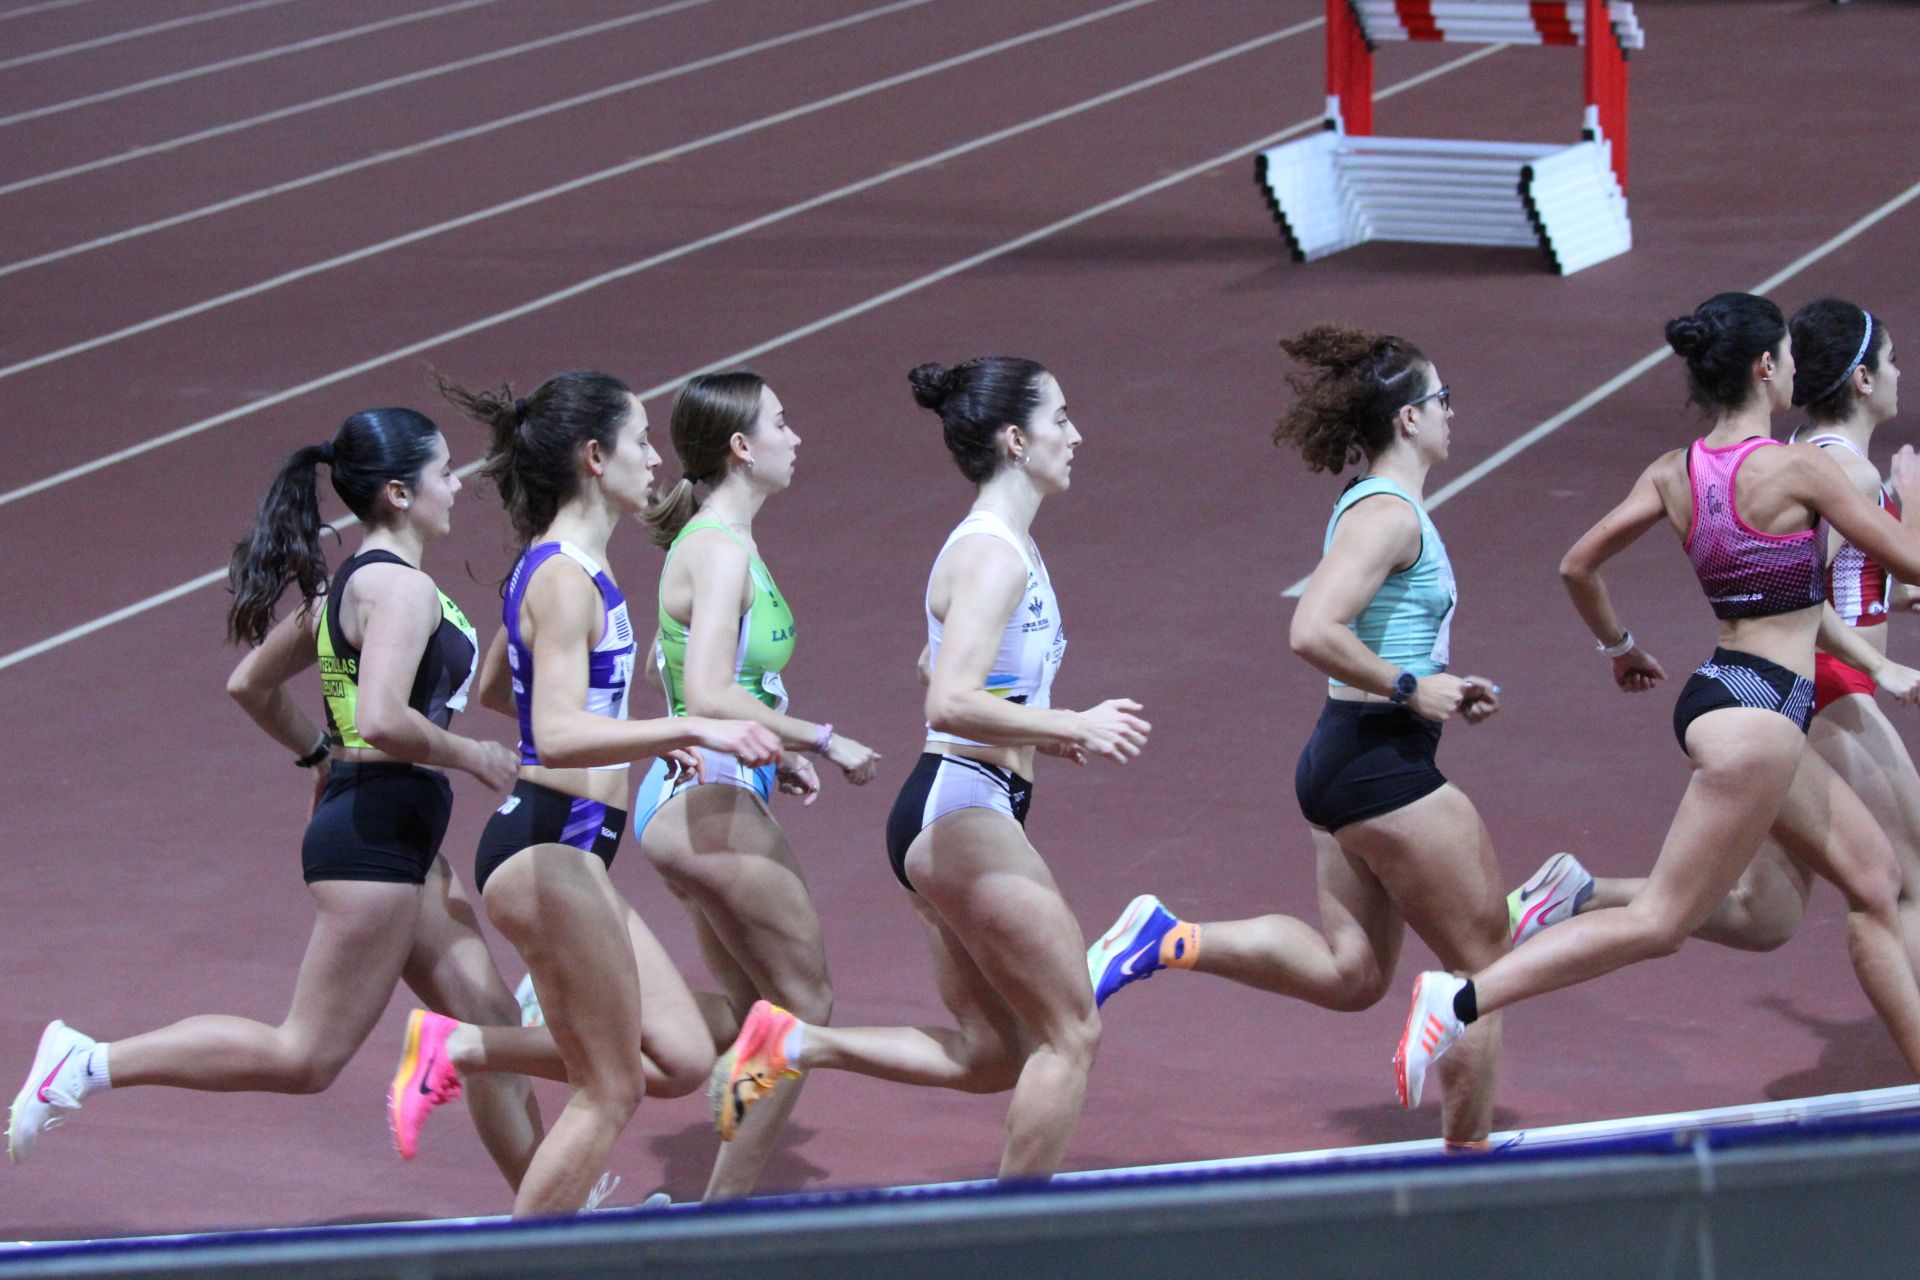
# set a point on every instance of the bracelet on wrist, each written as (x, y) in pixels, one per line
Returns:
(1619, 648)
(321, 750)
(823, 738)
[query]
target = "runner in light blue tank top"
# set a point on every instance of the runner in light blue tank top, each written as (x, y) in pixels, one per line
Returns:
(1394, 843)
(1409, 621)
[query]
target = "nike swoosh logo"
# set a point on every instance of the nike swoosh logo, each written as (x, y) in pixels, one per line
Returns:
(427, 1075)
(1126, 966)
(1539, 887)
(41, 1092)
(1124, 925)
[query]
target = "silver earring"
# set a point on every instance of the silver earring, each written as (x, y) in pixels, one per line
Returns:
(749, 464)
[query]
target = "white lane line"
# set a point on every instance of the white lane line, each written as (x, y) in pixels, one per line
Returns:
(559, 189)
(660, 389)
(330, 100)
(24, 10)
(1633, 372)
(134, 34)
(243, 60)
(462, 135)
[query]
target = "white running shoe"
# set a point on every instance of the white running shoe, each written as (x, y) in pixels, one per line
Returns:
(1430, 1031)
(1557, 890)
(531, 1015)
(658, 1200)
(52, 1090)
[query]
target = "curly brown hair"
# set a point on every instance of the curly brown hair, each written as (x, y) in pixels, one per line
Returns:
(1354, 383)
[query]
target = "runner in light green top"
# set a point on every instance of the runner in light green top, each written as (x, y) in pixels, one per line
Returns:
(766, 635)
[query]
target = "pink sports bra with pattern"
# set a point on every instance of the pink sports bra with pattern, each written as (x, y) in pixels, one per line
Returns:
(1744, 572)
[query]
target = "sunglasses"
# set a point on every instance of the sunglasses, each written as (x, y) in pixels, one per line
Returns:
(1444, 395)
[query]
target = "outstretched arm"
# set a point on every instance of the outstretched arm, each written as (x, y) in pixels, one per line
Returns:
(1822, 485)
(563, 606)
(1634, 670)
(1375, 537)
(258, 683)
(719, 571)
(988, 583)
(402, 610)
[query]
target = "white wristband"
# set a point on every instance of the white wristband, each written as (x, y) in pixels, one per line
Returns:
(1618, 649)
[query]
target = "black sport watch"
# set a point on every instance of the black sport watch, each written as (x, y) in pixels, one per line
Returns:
(1405, 685)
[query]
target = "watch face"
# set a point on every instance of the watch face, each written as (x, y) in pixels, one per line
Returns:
(1406, 684)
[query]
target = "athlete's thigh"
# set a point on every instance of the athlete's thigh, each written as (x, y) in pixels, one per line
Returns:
(1355, 908)
(982, 1012)
(362, 930)
(1827, 827)
(1865, 749)
(741, 873)
(555, 905)
(1436, 861)
(449, 965)
(976, 869)
(671, 1027)
(1744, 763)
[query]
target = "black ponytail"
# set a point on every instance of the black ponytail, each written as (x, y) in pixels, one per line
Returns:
(369, 450)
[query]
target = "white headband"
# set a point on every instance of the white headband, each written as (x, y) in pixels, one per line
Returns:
(1865, 339)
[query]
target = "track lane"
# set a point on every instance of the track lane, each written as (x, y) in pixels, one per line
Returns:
(1182, 526)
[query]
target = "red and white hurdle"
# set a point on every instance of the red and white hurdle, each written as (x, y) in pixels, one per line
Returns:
(1347, 185)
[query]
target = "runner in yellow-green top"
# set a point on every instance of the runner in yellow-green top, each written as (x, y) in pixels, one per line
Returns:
(726, 633)
(760, 654)
(396, 657)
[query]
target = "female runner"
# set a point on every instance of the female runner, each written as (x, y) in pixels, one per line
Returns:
(396, 656)
(725, 634)
(1395, 842)
(1846, 378)
(1008, 953)
(570, 461)
(1747, 509)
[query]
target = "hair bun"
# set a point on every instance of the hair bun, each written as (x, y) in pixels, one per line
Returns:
(326, 452)
(1690, 336)
(932, 384)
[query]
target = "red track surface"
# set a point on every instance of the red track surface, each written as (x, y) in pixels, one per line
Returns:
(150, 866)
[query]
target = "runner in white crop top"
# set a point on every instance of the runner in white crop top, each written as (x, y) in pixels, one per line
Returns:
(1007, 951)
(1034, 642)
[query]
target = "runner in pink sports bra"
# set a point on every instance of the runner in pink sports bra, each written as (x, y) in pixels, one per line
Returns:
(1752, 775)
(1746, 573)
(1846, 379)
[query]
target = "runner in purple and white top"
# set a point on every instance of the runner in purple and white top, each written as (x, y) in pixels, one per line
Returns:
(571, 460)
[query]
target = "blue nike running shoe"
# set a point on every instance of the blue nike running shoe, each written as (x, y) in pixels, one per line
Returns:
(1131, 949)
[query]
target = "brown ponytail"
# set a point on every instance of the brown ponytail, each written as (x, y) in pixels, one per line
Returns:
(534, 443)
(709, 411)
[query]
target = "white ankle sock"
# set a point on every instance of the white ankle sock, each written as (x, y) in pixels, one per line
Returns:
(796, 1039)
(94, 1077)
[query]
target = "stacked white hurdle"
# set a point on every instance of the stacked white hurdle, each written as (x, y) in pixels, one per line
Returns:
(1346, 186)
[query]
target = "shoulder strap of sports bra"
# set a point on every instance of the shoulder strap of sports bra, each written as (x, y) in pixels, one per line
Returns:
(337, 592)
(1367, 487)
(580, 558)
(991, 524)
(756, 568)
(1826, 439)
